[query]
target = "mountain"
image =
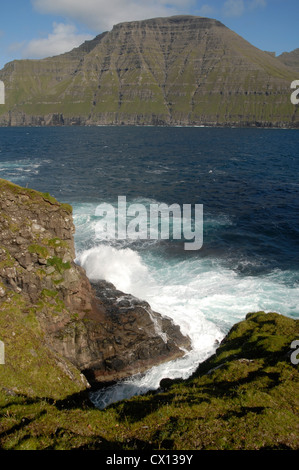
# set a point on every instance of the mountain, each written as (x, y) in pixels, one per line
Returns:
(291, 59)
(181, 70)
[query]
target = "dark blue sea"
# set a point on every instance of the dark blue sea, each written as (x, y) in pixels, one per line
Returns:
(247, 181)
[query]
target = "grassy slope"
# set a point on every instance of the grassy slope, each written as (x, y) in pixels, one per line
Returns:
(244, 397)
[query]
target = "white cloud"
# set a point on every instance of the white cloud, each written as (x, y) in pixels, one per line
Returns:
(206, 10)
(16, 46)
(257, 4)
(239, 7)
(62, 39)
(234, 8)
(101, 15)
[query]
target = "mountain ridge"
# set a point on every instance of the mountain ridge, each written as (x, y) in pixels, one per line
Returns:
(180, 70)
(291, 59)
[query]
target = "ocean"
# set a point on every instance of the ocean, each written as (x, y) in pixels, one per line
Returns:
(247, 182)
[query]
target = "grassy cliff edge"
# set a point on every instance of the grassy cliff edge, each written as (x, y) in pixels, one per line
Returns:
(245, 397)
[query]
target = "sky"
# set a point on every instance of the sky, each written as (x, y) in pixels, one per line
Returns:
(34, 29)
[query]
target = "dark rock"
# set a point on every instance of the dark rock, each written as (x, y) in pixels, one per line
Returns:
(165, 384)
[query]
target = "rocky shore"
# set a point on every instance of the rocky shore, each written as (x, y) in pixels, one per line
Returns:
(99, 331)
(62, 334)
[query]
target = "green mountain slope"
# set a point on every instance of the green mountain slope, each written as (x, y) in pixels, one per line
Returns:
(181, 70)
(291, 59)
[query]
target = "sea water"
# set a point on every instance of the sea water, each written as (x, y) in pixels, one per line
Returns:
(248, 183)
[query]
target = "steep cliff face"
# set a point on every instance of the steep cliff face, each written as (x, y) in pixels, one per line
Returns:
(180, 70)
(45, 294)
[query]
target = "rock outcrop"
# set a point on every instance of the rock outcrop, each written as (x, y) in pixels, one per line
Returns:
(182, 70)
(291, 59)
(96, 329)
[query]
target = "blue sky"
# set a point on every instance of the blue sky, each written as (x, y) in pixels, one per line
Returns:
(42, 28)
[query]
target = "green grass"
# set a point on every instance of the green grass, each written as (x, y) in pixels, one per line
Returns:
(249, 403)
(31, 367)
(58, 264)
(33, 196)
(39, 250)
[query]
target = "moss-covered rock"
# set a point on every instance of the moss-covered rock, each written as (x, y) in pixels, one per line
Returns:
(31, 367)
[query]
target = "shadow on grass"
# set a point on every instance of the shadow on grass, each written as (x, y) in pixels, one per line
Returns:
(28, 427)
(22, 424)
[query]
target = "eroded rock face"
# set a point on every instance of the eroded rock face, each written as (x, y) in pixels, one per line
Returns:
(107, 333)
(136, 336)
(182, 70)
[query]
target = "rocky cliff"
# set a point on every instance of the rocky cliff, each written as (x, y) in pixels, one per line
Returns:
(182, 70)
(291, 59)
(49, 309)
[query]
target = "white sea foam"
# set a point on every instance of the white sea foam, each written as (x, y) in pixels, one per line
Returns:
(201, 295)
(123, 268)
(19, 170)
